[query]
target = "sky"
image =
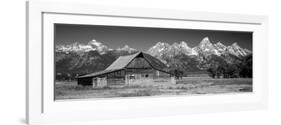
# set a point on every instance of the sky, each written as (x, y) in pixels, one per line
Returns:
(142, 38)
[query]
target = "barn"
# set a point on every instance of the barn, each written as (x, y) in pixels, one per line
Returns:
(132, 69)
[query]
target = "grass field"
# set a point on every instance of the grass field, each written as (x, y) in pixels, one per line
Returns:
(186, 86)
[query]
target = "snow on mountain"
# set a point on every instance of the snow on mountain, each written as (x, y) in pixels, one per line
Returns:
(93, 45)
(182, 47)
(126, 48)
(248, 51)
(162, 49)
(206, 44)
(236, 50)
(205, 47)
(73, 47)
(159, 49)
(76, 47)
(98, 46)
(221, 48)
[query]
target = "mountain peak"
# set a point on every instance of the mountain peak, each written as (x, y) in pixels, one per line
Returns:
(235, 49)
(220, 45)
(126, 48)
(183, 44)
(94, 42)
(205, 41)
(162, 44)
(235, 45)
(206, 47)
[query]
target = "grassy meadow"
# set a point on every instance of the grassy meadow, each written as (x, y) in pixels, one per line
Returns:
(186, 86)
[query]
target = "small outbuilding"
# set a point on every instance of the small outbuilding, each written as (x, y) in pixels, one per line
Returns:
(138, 68)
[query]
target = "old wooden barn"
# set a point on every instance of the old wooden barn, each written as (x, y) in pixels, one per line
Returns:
(138, 68)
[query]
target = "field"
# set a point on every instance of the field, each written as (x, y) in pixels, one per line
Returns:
(186, 86)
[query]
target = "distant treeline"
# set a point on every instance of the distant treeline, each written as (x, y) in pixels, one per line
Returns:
(240, 69)
(66, 76)
(218, 68)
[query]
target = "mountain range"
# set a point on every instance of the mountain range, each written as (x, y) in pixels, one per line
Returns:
(205, 47)
(95, 56)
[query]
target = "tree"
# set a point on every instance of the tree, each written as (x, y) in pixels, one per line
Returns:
(178, 73)
(240, 68)
(217, 66)
(220, 71)
(246, 67)
(212, 71)
(227, 70)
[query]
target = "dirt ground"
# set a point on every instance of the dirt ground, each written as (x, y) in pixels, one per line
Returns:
(186, 86)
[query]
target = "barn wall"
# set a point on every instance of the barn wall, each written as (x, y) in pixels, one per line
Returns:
(101, 82)
(150, 72)
(147, 76)
(149, 81)
(116, 74)
(142, 81)
(161, 74)
(116, 81)
(116, 78)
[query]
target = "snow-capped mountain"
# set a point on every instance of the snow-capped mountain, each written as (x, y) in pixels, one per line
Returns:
(73, 47)
(76, 47)
(221, 48)
(205, 47)
(93, 45)
(182, 47)
(200, 57)
(101, 48)
(236, 50)
(126, 48)
(161, 49)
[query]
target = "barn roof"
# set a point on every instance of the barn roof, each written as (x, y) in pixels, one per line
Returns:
(121, 63)
(97, 73)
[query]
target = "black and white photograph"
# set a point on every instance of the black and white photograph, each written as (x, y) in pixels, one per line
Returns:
(103, 61)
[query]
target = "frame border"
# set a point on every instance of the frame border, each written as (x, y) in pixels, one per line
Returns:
(34, 21)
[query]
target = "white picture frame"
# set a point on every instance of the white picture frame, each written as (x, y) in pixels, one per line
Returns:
(41, 107)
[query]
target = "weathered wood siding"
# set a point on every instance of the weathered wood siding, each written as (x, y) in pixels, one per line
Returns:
(138, 63)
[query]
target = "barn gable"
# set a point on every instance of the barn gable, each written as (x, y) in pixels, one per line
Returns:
(139, 63)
